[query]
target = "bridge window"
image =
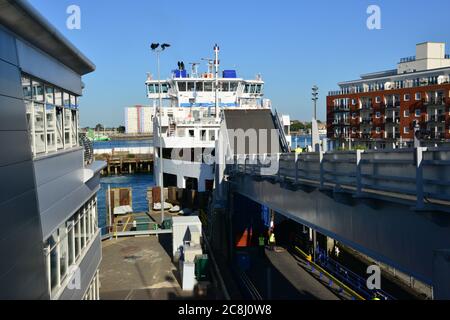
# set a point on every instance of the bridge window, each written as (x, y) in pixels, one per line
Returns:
(165, 87)
(182, 86)
(191, 86)
(208, 87)
(233, 86)
(225, 86)
(153, 89)
(199, 86)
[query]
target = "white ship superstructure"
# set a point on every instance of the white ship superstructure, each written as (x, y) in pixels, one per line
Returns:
(191, 119)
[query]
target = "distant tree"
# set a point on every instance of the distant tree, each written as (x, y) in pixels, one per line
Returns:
(99, 127)
(121, 129)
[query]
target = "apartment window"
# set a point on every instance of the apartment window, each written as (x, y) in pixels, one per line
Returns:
(378, 99)
(406, 130)
(418, 96)
(353, 102)
(378, 115)
(378, 130)
(406, 97)
(406, 113)
(418, 113)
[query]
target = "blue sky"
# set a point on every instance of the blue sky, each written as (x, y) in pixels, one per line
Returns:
(293, 44)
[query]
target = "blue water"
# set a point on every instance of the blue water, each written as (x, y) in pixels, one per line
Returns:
(302, 141)
(138, 182)
(123, 144)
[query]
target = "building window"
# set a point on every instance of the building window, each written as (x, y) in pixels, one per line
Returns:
(353, 102)
(52, 116)
(418, 113)
(378, 99)
(418, 96)
(65, 247)
(378, 130)
(406, 97)
(378, 115)
(406, 130)
(406, 113)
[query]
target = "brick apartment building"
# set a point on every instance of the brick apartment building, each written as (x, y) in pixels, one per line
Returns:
(385, 109)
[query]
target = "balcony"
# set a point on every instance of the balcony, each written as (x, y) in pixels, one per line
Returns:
(437, 135)
(437, 118)
(341, 108)
(367, 106)
(393, 105)
(343, 122)
(440, 101)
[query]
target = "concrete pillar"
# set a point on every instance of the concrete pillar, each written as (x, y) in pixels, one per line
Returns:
(441, 275)
(130, 169)
(115, 170)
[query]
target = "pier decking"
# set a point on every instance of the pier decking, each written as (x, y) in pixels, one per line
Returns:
(126, 163)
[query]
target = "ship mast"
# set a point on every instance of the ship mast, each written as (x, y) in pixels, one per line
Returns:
(216, 66)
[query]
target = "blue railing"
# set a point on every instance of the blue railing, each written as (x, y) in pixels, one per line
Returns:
(349, 278)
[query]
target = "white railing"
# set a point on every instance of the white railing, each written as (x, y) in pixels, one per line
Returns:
(423, 174)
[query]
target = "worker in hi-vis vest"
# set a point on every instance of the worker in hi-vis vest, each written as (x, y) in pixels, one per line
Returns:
(272, 239)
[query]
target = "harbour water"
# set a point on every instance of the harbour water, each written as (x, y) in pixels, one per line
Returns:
(138, 182)
(123, 144)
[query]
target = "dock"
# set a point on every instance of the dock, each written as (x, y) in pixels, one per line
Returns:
(126, 163)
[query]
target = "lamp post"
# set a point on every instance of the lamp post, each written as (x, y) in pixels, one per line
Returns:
(315, 139)
(315, 97)
(158, 49)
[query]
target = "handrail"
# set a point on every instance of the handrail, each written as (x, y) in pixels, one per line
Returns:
(330, 276)
(280, 128)
(415, 173)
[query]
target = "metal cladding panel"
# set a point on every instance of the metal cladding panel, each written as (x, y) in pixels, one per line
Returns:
(22, 267)
(65, 207)
(13, 114)
(7, 47)
(15, 147)
(389, 232)
(43, 66)
(88, 268)
(15, 181)
(52, 167)
(10, 84)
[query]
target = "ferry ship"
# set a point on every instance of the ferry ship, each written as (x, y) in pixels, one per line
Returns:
(192, 106)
